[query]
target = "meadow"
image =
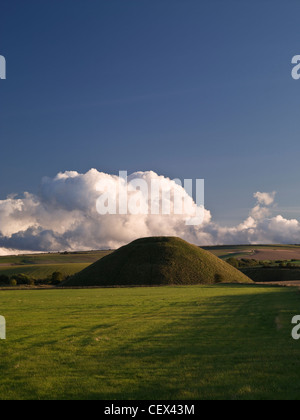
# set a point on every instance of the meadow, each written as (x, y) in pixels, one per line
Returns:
(188, 342)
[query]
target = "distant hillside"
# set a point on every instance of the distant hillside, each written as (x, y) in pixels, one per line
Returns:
(158, 261)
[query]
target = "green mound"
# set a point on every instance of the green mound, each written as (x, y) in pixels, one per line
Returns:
(158, 261)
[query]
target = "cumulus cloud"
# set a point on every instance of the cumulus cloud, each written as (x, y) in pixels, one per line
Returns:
(63, 216)
(265, 199)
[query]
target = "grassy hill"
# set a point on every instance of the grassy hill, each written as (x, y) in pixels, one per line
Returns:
(158, 261)
(40, 266)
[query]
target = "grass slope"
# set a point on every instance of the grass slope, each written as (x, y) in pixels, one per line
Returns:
(158, 261)
(166, 343)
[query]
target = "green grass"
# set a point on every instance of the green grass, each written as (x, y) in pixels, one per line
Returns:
(197, 342)
(43, 271)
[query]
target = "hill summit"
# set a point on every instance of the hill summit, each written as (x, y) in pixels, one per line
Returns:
(158, 261)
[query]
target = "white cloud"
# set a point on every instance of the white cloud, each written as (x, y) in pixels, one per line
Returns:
(63, 216)
(265, 198)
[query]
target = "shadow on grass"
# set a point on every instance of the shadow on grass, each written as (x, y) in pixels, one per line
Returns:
(218, 348)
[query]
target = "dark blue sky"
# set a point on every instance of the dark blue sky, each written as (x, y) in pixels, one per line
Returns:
(187, 88)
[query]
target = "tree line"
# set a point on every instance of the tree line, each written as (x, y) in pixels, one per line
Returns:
(23, 279)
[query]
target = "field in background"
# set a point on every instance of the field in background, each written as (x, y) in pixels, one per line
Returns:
(43, 271)
(55, 258)
(166, 343)
(258, 252)
(40, 266)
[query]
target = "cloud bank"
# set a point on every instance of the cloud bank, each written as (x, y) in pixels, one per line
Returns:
(63, 217)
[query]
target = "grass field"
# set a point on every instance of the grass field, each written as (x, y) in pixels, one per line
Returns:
(197, 342)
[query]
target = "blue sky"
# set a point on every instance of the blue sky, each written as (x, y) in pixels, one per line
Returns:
(187, 88)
